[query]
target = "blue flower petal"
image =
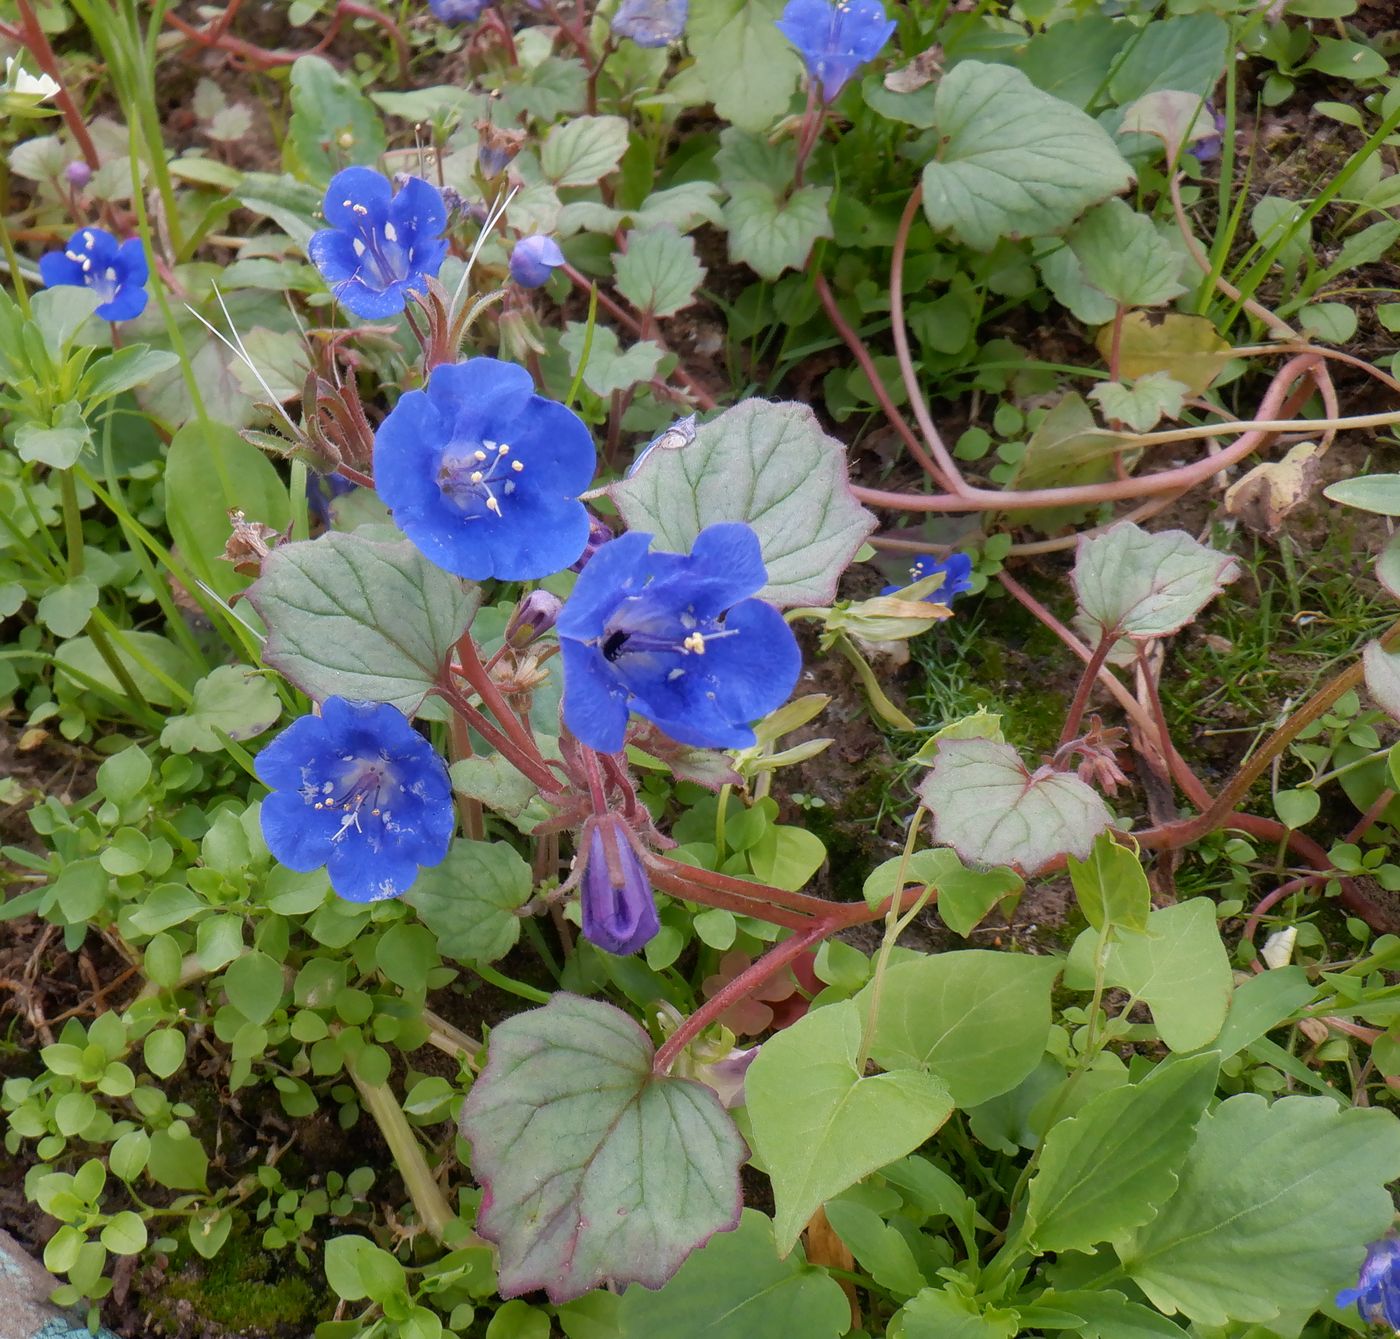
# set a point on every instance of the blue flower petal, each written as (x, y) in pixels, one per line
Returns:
(129, 301)
(418, 211)
(360, 186)
(131, 262)
(58, 271)
(595, 702)
(619, 568)
(298, 836)
(333, 253)
(755, 668)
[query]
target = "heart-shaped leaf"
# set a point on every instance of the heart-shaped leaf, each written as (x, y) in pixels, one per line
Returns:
(819, 1125)
(596, 1170)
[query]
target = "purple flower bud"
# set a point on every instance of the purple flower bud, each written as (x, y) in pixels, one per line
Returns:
(533, 617)
(496, 146)
(619, 913)
(533, 258)
(78, 173)
(651, 23)
(457, 11)
(599, 534)
(727, 1076)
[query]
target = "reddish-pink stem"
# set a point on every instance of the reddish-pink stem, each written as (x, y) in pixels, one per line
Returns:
(38, 43)
(1086, 686)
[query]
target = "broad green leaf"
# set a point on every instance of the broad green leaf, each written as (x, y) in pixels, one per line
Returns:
(879, 1248)
(1378, 493)
(787, 856)
(1111, 886)
(771, 231)
(683, 206)
(1186, 53)
(493, 781)
(747, 67)
(737, 1287)
(1260, 1004)
(1068, 448)
(975, 1019)
(1188, 349)
(583, 150)
(234, 700)
(124, 369)
(967, 896)
(942, 1313)
(819, 1125)
(1143, 404)
(59, 445)
(333, 124)
(1070, 56)
(471, 899)
(610, 367)
(1333, 322)
(65, 609)
(992, 811)
(1383, 677)
(254, 985)
(658, 272)
(79, 655)
(352, 618)
(1105, 1171)
(178, 1160)
(59, 313)
(210, 471)
(125, 1233)
(1013, 161)
(1109, 1315)
(1064, 276)
(1132, 583)
(596, 1170)
(1275, 1206)
(772, 467)
(1177, 119)
(1124, 256)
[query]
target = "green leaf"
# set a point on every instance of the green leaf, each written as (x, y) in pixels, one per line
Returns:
(333, 124)
(65, 610)
(1070, 56)
(357, 1269)
(942, 1313)
(234, 700)
(1187, 54)
(1068, 448)
(1107, 1169)
(79, 654)
(1333, 322)
(584, 149)
(879, 1248)
(406, 953)
(493, 781)
(1143, 404)
(1064, 277)
(1129, 582)
(748, 69)
(770, 231)
(596, 1169)
(59, 313)
(1109, 1315)
(967, 896)
(123, 370)
(772, 467)
(1013, 161)
(975, 1019)
(164, 1051)
(1275, 1206)
(470, 900)
(363, 620)
(1260, 1004)
(819, 1125)
(178, 1160)
(736, 1287)
(1111, 886)
(210, 471)
(992, 811)
(1188, 349)
(254, 985)
(58, 446)
(658, 272)
(125, 1234)
(208, 1230)
(1125, 257)
(610, 368)
(1345, 59)
(786, 856)
(1378, 493)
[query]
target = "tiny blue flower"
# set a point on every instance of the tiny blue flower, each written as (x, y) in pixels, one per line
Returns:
(619, 912)
(533, 259)
(457, 11)
(116, 272)
(483, 475)
(1377, 1292)
(675, 639)
(1208, 150)
(835, 37)
(651, 23)
(359, 790)
(957, 576)
(380, 246)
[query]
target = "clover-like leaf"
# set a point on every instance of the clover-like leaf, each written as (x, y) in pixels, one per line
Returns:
(1142, 404)
(596, 1170)
(1135, 584)
(233, 700)
(353, 618)
(991, 810)
(1013, 161)
(820, 1125)
(470, 901)
(772, 467)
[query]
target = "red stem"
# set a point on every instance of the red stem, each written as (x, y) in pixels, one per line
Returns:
(1086, 686)
(38, 43)
(532, 767)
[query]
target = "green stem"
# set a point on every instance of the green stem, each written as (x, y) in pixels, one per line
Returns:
(72, 523)
(721, 808)
(509, 984)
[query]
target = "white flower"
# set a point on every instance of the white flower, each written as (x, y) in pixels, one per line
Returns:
(19, 80)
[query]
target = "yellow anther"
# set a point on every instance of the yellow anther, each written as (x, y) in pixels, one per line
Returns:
(517, 465)
(695, 642)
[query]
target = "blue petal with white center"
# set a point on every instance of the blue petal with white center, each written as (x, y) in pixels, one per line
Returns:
(835, 39)
(676, 639)
(380, 247)
(957, 576)
(358, 790)
(116, 271)
(483, 475)
(1377, 1292)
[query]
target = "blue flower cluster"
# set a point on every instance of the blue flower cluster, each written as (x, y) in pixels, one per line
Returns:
(835, 37)
(115, 271)
(380, 247)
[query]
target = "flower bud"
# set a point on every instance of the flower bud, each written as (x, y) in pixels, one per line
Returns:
(496, 146)
(598, 534)
(533, 617)
(78, 173)
(619, 912)
(533, 259)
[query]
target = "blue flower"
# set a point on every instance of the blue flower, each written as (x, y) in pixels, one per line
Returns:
(322, 490)
(457, 11)
(619, 913)
(359, 790)
(380, 246)
(533, 259)
(1377, 1291)
(676, 640)
(957, 576)
(651, 23)
(835, 39)
(116, 272)
(483, 475)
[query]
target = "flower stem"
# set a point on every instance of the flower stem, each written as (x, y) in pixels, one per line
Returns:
(1086, 686)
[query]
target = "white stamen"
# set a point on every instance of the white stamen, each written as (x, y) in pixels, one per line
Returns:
(674, 675)
(493, 505)
(390, 234)
(359, 247)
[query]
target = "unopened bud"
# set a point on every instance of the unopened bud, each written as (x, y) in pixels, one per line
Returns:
(598, 535)
(78, 174)
(533, 617)
(496, 146)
